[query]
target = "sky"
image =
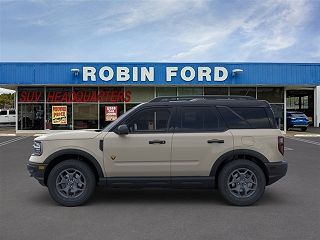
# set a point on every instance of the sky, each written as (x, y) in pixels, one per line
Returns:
(160, 31)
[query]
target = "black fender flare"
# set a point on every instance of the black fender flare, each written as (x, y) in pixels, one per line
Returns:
(65, 152)
(229, 156)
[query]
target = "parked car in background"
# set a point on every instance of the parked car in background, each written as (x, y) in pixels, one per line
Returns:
(7, 116)
(297, 120)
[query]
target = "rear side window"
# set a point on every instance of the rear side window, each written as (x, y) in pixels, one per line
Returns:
(240, 118)
(199, 119)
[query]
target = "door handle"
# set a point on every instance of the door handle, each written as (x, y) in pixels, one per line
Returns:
(157, 141)
(215, 141)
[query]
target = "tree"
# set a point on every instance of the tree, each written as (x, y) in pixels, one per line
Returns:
(7, 100)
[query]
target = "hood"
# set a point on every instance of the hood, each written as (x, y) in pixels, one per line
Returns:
(77, 134)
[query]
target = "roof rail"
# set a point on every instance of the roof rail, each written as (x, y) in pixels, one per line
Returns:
(200, 97)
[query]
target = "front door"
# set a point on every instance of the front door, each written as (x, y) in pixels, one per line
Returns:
(145, 151)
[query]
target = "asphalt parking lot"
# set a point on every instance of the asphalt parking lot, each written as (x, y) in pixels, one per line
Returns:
(290, 209)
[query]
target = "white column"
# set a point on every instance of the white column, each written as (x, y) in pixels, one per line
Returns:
(285, 111)
(317, 106)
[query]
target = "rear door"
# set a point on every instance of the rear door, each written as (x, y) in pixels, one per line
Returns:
(200, 138)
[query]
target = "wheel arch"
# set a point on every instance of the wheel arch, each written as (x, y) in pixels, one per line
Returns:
(233, 155)
(77, 154)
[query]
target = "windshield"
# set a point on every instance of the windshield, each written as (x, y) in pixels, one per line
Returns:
(298, 115)
(119, 119)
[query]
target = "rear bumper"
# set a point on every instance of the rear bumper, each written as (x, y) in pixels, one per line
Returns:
(298, 124)
(37, 170)
(276, 171)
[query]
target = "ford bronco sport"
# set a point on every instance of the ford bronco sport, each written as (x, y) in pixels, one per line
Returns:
(232, 143)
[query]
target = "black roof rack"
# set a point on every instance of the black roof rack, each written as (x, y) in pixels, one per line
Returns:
(200, 97)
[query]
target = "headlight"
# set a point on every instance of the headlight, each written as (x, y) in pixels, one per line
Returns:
(37, 148)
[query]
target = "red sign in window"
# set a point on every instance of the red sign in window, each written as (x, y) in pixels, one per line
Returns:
(59, 96)
(76, 96)
(30, 96)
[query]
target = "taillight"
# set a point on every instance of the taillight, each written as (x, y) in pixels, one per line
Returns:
(281, 144)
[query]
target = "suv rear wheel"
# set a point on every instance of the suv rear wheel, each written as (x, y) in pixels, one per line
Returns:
(241, 182)
(71, 183)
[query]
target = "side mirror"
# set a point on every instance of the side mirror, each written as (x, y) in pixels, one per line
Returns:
(123, 129)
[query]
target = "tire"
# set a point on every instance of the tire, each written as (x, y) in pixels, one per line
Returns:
(241, 182)
(71, 183)
(303, 129)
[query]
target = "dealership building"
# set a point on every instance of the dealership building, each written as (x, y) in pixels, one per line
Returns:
(88, 95)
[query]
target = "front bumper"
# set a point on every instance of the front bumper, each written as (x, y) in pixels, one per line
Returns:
(276, 170)
(37, 171)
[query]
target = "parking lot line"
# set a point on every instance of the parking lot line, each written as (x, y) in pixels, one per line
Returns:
(305, 140)
(11, 141)
(288, 149)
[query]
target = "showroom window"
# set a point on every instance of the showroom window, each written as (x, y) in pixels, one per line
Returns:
(59, 116)
(85, 115)
(271, 94)
(216, 91)
(190, 91)
(243, 91)
(30, 108)
(140, 94)
(59, 108)
(166, 91)
(31, 116)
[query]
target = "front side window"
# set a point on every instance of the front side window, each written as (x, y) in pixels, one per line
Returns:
(150, 120)
(199, 119)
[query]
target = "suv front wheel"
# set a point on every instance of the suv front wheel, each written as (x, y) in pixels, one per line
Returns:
(241, 182)
(71, 183)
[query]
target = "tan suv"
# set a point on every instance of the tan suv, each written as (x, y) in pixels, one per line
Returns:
(232, 143)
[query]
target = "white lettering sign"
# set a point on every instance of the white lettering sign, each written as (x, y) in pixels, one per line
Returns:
(143, 74)
(89, 72)
(217, 76)
(102, 73)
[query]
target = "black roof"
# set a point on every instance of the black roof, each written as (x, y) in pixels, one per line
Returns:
(232, 101)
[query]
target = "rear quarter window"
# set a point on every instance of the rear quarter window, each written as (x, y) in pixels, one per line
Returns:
(242, 117)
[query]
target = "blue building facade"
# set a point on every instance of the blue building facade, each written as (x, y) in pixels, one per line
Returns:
(87, 91)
